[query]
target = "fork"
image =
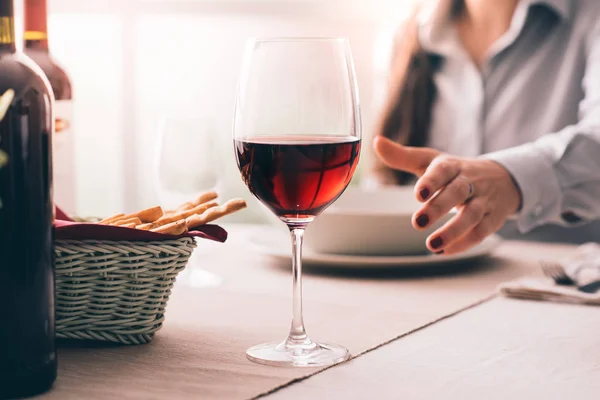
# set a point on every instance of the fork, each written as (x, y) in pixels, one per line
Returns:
(557, 273)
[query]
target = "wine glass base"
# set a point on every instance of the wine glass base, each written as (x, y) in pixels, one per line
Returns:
(195, 276)
(198, 278)
(308, 354)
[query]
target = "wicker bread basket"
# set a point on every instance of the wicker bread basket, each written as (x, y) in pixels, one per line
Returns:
(116, 291)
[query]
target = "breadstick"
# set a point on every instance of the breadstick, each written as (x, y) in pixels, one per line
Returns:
(203, 198)
(149, 214)
(183, 214)
(214, 213)
(121, 222)
(145, 227)
(132, 225)
(173, 228)
(111, 219)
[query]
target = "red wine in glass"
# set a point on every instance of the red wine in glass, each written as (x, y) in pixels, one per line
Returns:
(297, 177)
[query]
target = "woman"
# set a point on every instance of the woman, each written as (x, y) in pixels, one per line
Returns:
(506, 97)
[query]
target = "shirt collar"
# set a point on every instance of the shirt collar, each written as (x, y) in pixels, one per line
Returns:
(437, 34)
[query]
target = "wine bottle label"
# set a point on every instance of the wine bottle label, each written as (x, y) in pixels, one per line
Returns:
(64, 157)
(7, 30)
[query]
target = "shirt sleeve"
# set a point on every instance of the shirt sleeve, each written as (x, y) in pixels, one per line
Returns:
(559, 174)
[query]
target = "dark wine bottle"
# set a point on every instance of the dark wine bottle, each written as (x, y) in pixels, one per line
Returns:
(36, 47)
(27, 343)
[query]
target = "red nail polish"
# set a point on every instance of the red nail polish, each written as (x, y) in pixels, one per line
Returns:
(424, 193)
(422, 220)
(436, 243)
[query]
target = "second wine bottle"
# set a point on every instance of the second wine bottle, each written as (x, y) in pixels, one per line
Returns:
(37, 48)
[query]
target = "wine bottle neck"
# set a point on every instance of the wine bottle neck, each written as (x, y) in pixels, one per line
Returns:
(7, 26)
(36, 25)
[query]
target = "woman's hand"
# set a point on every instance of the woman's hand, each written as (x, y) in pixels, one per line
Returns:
(482, 191)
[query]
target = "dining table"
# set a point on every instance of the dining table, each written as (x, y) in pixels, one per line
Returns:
(437, 332)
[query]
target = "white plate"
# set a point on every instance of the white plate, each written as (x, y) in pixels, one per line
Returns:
(277, 246)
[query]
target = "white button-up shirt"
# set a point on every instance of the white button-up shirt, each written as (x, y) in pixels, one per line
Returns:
(538, 90)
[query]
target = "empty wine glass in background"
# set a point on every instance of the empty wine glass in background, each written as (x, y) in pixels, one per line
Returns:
(297, 137)
(186, 161)
(186, 164)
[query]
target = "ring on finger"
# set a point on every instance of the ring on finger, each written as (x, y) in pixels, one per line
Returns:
(471, 188)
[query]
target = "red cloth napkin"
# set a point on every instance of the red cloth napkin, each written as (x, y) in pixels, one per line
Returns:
(67, 229)
(60, 214)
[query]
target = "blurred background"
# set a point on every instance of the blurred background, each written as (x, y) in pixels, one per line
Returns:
(135, 65)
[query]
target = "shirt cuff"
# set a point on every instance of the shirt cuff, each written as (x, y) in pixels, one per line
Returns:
(541, 196)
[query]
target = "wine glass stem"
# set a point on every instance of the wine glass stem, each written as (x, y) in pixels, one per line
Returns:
(297, 333)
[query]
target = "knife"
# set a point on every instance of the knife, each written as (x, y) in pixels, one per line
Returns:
(591, 287)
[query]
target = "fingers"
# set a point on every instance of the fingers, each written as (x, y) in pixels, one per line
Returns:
(454, 194)
(488, 225)
(441, 172)
(468, 218)
(414, 160)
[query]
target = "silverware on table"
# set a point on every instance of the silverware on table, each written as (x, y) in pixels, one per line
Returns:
(591, 287)
(557, 273)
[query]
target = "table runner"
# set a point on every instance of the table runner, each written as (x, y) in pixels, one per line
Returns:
(502, 349)
(199, 353)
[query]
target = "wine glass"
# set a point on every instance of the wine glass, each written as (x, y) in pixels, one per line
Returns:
(186, 165)
(297, 137)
